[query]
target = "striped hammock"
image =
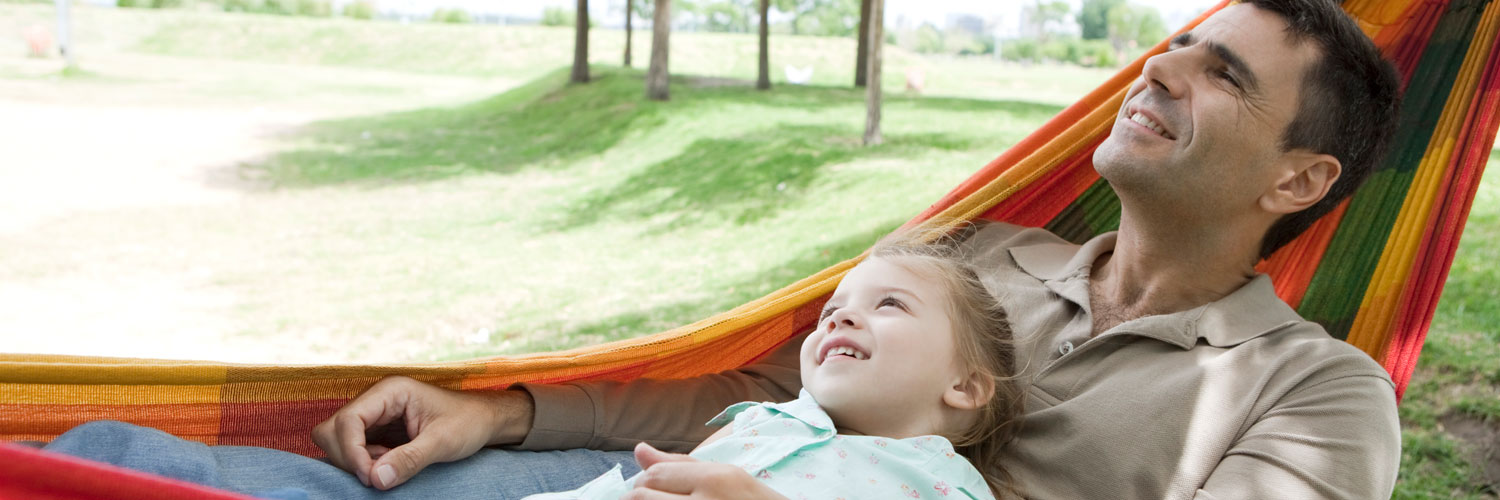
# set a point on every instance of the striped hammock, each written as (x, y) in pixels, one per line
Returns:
(1371, 271)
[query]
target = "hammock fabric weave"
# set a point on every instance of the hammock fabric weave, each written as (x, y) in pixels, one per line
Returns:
(1371, 271)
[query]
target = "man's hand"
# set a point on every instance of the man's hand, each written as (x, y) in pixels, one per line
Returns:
(366, 436)
(670, 475)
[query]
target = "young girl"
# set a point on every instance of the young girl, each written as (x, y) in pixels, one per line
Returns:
(907, 390)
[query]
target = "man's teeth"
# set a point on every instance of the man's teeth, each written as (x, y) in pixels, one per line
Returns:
(848, 351)
(1141, 119)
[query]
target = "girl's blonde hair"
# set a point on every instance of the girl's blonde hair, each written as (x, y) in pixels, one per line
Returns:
(982, 335)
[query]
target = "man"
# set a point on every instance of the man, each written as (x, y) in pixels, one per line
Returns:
(1156, 362)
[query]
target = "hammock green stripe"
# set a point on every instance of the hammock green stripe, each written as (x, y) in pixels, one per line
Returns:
(1095, 211)
(1338, 286)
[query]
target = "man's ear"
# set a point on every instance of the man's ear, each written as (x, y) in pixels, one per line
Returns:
(1304, 179)
(971, 392)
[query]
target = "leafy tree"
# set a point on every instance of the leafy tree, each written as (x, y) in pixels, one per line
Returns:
(581, 44)
(872, 91)
(361, 9)
(657, 76)
(1093, 18)
(860, 48)
(454, 16)
(1045, 17)
(928, 39)
(727, 16)
(1131, 25)
(822, 17)
(557, 16)
(629, 13)
(763, 71)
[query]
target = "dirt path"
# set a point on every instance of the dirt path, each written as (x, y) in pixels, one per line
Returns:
(154, 132)
(62, 161)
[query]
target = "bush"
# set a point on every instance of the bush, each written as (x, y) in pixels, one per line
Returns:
(362, 9)
(242, 5)
(1091, 53)
(149, 4)
(308, 8)
(1096, 54)
(313, 8)
(1021, 50)
(455, 16)
(558, 16)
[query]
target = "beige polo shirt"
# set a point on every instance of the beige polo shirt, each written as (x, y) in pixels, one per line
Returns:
(1238, 398)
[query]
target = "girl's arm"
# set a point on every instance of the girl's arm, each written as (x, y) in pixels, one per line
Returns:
(723, 431)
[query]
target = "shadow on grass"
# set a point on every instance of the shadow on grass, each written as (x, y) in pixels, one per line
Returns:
(741, 179)
(667, 316)
(545, 121)
(549, 122)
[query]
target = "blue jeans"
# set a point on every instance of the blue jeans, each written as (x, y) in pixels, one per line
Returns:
(277, 474)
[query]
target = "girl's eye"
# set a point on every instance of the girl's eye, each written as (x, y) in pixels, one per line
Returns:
(827, 311)
(891, 301)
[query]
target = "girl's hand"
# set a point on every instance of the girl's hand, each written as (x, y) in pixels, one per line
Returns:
(674, 476)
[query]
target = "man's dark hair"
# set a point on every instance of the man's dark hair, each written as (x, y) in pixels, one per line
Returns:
(1350, 97)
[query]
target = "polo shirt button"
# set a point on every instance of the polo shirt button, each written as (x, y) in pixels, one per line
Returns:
(1065, 348)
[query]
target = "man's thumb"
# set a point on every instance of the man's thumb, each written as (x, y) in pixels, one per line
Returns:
(397, 465)
(647, 456)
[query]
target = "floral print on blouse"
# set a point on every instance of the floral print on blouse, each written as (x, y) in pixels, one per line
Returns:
(794, 448)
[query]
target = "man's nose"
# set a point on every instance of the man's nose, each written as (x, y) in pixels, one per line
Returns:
(1166, 72)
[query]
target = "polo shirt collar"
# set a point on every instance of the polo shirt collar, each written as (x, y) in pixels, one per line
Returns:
(1249, 312)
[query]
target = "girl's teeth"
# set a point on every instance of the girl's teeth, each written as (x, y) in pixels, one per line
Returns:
(848, 351)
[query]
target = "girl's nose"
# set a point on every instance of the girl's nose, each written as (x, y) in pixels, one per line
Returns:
(844, 318)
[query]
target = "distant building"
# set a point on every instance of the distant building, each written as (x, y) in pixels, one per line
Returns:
(968, 23)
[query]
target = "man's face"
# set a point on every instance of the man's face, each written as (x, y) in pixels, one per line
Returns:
(1198, 132)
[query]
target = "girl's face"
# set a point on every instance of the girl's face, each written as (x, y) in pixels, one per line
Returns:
(883, 353)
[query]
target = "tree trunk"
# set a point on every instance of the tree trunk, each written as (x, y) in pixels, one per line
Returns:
(763, 82)
(657, 77)
(872, 89)
(860, 64)
(581, 44)
(629, 4)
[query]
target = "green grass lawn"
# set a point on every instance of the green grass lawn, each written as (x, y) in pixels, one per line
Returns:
(549, 215)
(1455, 392)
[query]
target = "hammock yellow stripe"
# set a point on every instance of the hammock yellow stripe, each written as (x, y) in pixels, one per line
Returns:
(1378, 308)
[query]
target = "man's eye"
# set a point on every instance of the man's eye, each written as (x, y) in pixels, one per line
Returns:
(1224, 75)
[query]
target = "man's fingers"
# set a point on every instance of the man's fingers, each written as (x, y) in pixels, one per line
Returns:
(647, 456)
(376, 451)
(349, 429)
(401, 463)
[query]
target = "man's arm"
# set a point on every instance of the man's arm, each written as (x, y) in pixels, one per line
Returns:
(668, 414)
(1338, 438)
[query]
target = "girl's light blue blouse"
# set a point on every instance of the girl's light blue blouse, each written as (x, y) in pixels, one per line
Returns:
(794, 448)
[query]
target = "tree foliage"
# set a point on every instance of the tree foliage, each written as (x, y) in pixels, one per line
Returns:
(1044, 18)
(733, 16)
(1093, 18)
(821, 17)
(1133, 25)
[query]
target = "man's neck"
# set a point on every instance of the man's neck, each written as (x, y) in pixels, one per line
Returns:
(1168, 271)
